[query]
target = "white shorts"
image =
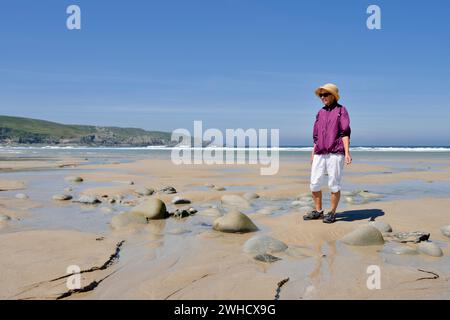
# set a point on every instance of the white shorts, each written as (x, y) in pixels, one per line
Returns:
(333, 164)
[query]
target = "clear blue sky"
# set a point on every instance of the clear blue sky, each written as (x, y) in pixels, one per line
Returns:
(161, 64)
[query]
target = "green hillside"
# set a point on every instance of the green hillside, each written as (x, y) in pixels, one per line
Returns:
(18, 130)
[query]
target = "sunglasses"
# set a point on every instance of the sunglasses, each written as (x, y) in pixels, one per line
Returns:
(324, 95)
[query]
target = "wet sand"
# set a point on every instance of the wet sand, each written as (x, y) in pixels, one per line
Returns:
(187, 259)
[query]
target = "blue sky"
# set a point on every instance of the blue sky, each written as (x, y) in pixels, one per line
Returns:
(160, 65)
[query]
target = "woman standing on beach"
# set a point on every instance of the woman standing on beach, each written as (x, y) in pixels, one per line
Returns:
(331, 136)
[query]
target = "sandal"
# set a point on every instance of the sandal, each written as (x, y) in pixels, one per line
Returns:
(330, 217)
(313, 215)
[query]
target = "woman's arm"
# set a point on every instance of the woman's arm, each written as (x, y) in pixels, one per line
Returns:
(346, 142)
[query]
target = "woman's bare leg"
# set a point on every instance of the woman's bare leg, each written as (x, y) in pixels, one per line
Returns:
(335, 196)
(317, 197)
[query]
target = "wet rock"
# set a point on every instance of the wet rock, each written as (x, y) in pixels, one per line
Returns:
(86, 199)
(250, 196)
(145, 191)
(364, 236)
(21, 196)
(446, 231)
(380, 225)
(415, 236)
(62, 197)
(430, 248)
(232, 200)
(112, 200)
(266, 258)
(234, 221)
(179, 200)
(151, 209)
(168, 190)
(262, 244)
(73, 179)
(218, 188)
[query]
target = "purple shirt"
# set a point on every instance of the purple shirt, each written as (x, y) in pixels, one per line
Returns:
(332, 123)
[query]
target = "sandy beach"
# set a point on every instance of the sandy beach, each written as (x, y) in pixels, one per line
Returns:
(185, 258)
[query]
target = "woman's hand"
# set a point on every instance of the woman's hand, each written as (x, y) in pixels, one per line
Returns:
(348, 158)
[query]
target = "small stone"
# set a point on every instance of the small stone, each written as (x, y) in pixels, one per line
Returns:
(112, 200)
(430, 248)
(168, 190)
(192, 210)
(73, 179)
(217, 188)
(179, 200)
(62, 197)
(21, 196)
(87, 199)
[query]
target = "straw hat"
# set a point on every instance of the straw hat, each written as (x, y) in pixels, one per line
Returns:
(331, 88)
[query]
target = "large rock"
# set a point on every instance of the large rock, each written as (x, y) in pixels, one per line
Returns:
(364, 236)
(262, 244)
(151, 209)
(232, 200)
(430, 248)
(446, 231)
(380, 225)
(234, 221)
